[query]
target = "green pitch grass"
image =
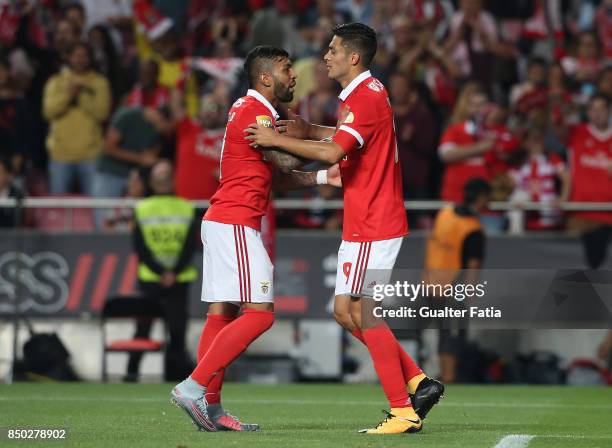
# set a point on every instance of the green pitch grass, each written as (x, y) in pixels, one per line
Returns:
(308, 416)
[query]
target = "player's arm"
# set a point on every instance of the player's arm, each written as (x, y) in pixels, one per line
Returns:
(282, 160)
(566, 184)
(329, 152)
(296, 127)
(294, 180)
(144, 253)
(303, 179)
(450, 152)
(473, 255)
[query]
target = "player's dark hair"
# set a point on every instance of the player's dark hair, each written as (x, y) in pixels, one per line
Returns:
(359, 38)
(475, 188)
(258, 61)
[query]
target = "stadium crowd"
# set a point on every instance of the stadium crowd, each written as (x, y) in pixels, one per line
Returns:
(92, 94)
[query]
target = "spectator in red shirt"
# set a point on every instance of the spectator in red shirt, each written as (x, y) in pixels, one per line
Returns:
(590, 150)
(148, 92)
(464, 143)
(199, 142)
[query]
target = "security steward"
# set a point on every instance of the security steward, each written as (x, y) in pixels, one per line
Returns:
(454, 252)
(165, 237)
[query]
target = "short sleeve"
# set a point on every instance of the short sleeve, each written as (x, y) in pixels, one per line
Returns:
(449, 139)
(356, 129)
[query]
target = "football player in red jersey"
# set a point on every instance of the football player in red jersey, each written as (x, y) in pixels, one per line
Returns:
(237, 271)
(364, 146)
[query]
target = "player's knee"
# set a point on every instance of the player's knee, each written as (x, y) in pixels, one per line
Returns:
(344, 319)
(262, 319)
(356, 318)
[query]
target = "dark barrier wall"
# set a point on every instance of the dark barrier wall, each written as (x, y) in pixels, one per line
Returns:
(69, 275)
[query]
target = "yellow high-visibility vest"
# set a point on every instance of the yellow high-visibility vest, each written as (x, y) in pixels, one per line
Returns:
(165, 222)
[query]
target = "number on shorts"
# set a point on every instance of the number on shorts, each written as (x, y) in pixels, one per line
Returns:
(346, 268)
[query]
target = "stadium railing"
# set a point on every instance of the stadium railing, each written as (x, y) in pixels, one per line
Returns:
(516, 210)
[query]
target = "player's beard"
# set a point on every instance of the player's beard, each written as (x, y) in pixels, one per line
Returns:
(283, 93)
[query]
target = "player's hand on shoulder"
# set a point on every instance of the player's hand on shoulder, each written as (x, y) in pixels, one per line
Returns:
(333, 176)
(260, 135)
(295, 126)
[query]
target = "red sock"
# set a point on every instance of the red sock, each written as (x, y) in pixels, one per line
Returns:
(384, 350)
(214, 324)
(409, 367)
(230, 342)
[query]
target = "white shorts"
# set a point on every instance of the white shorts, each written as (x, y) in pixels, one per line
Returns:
(236, 266)
(363, 265)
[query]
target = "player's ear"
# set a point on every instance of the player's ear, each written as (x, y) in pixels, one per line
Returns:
(355, 58)
(265, 79)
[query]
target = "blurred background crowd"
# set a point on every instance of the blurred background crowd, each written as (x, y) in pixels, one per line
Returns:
(93, 93)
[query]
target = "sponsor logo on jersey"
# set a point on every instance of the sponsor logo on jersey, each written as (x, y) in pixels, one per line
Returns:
(597, 160)
(375, 85)
(231, 116)
(349, 118)
(265, 287)
(265, 121)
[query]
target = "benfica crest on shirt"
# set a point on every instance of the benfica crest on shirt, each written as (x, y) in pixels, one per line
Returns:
(264, 287)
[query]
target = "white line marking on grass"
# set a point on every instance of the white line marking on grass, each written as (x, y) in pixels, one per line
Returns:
(514, 441)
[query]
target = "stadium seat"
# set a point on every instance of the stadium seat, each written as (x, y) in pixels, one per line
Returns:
(129, 307)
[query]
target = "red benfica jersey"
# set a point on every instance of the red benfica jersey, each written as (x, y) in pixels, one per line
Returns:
(590, 154)
(197, 160)
(371, 173)
(245, 177)
(457, 174)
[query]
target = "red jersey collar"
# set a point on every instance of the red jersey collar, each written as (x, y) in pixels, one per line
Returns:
(353, 84)
(259, 97)
(600, 135)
